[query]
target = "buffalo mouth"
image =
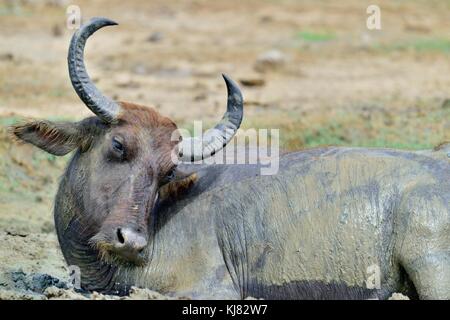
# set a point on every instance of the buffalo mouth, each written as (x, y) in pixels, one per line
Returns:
(119, 254)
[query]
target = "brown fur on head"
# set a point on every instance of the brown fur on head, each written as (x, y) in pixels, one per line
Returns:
(175, 188)
(116, 174)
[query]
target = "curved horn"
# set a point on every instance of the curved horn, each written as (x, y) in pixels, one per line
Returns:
(213, 140)
(105, 108)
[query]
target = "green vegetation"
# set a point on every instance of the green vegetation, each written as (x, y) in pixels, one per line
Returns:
(8, 121)
(310, 36)
(379, 128)
(441, 45)
(13, 9)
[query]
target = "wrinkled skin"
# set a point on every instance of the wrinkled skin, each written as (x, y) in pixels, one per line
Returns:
(223, 231)
(310, 232)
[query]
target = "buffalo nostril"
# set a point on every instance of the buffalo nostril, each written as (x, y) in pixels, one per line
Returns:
(129, 244)
(128, 239)
(120, 236)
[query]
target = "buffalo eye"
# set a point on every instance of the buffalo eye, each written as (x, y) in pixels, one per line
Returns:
(118, 147)
(170, 175)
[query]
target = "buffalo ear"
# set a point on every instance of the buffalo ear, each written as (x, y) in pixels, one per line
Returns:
(178, 185)
(55, 138)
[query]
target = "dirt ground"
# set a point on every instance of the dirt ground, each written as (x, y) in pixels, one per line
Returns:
(310, 68)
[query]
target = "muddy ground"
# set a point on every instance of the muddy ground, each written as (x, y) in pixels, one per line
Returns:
(310, 68)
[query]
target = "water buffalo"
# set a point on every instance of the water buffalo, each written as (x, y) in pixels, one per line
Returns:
(328, 222)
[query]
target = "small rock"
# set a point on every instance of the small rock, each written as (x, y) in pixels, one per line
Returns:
(265, 19)
(145, 294)
(19, 295)
(56, 293)
(252, 82)
(255, 103)
(40, 282)
(156, 37)
(35, 282)
(417, 27)
(98, 296)
(18, 276)
(270, 61)
(200, 97)
(57, 30)
(446, 104)
(16, 234)
(398, 296)
(6, 56)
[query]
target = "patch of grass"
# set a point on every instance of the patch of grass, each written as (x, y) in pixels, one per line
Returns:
(58, 92)
(419, 45)
(379, 128)
(13, 9)
(310, 36)
(9, 121)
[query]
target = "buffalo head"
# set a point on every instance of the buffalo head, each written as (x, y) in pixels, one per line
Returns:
(124, 156)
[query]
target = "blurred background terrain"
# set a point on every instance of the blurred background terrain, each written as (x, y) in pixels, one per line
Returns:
(309, 68)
